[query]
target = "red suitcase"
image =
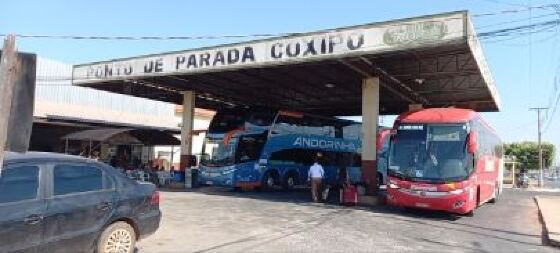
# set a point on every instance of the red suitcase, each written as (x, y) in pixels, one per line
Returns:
(349, 195)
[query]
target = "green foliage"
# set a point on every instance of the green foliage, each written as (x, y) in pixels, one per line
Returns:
(527, 153)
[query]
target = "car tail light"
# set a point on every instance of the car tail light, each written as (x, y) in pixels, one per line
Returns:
(154, 199)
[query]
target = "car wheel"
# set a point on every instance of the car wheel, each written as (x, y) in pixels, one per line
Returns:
(118, 237)
(289, 182)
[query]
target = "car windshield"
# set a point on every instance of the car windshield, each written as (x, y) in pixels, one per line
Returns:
(218, 152)
(429, 153)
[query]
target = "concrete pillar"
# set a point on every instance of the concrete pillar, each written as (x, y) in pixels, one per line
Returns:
(370, 114)
(187, 129)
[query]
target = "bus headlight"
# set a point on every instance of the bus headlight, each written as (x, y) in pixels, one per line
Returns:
(457, 191)
(393, 186)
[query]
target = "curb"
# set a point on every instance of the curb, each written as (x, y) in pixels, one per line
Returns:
(553, 240)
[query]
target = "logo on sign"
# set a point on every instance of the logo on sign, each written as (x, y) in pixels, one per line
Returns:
(415, 33)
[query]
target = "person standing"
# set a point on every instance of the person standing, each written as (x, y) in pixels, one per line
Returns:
(315, 175)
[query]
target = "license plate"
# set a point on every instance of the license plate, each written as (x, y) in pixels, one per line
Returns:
(422, 205)
(209, 182)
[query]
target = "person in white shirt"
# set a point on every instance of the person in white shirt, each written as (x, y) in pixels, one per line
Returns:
(315, 175)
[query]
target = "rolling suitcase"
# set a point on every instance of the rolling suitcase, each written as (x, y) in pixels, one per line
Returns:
(349, 195)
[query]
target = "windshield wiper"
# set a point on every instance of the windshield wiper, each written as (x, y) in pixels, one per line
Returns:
(397, 174)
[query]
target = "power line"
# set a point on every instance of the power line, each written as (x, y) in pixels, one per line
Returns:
(555, 103)
(503, 3)
(516, 20)
(517, 30)
(234, 36)
(552, 114)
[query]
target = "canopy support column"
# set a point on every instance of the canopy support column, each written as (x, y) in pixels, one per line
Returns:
(370, 114)
(172, 158)
(66, 146)
(186, 130)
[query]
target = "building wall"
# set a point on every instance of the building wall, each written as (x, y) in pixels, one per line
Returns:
(55, 97)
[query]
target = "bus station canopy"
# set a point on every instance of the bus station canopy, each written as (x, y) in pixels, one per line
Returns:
(149, 137)
(436, 61)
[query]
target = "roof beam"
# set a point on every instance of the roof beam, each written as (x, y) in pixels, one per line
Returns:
(366, 73)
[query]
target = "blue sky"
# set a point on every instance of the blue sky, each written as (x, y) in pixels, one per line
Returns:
(523, 68)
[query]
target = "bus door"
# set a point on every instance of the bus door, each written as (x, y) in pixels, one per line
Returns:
(248, 153)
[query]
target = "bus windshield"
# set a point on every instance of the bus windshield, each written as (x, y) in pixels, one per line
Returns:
(432, 153)
(217, 152)
(227, 120)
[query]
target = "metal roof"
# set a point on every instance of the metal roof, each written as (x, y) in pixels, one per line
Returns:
(149, 137)
(432, 60)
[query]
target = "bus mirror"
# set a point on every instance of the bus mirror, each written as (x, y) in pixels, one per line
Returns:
(471, 143)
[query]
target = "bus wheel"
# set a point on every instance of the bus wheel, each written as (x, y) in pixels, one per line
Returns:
(289, 182)
(496, 193)
(269, 181)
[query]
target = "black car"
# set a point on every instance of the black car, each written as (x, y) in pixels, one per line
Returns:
(60, 203)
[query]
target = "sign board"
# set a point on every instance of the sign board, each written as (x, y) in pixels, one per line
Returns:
(338, 43)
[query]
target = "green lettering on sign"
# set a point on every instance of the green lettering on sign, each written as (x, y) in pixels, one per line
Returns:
(415, 33)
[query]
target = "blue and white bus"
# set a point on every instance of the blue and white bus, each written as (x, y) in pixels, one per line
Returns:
(248, 149)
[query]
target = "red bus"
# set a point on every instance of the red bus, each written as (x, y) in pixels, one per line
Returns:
(444, 159)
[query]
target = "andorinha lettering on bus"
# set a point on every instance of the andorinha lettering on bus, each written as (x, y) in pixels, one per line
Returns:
(324, 144)
(272, 51)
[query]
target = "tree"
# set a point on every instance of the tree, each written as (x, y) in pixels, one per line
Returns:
(527, 153)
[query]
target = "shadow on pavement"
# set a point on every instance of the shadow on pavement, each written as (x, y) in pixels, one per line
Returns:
(299, 196)
(435, 219)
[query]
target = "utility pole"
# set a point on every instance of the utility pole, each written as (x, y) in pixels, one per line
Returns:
(8, 75)
(539, 109)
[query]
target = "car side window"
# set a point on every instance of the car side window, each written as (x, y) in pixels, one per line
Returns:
(76, 178)
(19, 183)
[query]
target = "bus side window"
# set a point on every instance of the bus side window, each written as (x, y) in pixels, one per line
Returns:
(282, 157)
(250, 148)
(307, 156)
(329, 159)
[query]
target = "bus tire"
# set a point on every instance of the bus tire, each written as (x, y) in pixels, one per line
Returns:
(269, 181)
(290, 180)
(494, 198)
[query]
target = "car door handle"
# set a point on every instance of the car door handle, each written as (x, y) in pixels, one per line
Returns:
(33, 219)
(104, 206)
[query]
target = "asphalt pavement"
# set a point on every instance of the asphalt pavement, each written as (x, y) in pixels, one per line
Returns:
(217, 220)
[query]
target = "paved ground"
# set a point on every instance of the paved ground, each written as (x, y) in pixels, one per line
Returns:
(221, 221)
(549, 207)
